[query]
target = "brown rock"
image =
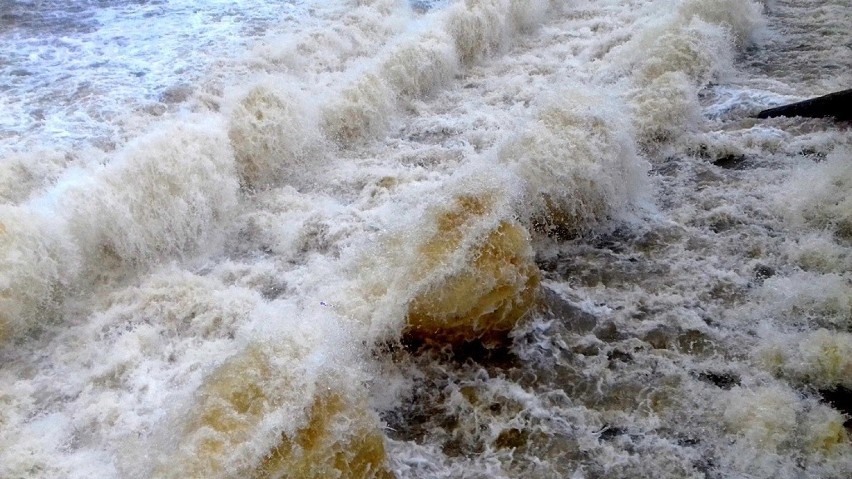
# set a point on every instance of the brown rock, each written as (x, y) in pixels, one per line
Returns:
(484, 300)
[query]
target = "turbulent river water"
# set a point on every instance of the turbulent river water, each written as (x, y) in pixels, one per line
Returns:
(425, 239)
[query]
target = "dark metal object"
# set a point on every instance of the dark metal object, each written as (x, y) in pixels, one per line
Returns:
(837, 105)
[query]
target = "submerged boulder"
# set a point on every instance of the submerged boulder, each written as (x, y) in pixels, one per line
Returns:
(484, 297)
(253, 418)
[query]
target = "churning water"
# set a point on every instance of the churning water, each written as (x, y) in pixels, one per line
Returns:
(425, 239)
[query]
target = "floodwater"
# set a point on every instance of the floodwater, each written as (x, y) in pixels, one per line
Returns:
(431, 239)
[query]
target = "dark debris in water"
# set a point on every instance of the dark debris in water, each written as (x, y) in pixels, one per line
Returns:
(732, 162)
(763, 272)
(611, 432)
(724, 381)
(499, 355)
(840, 398)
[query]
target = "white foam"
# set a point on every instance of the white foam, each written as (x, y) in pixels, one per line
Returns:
(275, 240)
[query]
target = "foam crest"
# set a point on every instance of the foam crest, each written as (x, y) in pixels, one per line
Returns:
(485, 27)
(425, 61)
(771, 422)
(815, 252)
(362, 111)
(819, 358)
(805, 297)
(421, 65)
(185, 305)
(145, 347)
(162, 196)
(825, 434)
(665, 108)
(700, 50)
(22, 174)
(742, 18)
(293, 226)
(578, 164)
(184, 192)
(408, 70)
(344, 34)
(36, 262)
(673, 58)
(821, 196)
(765, 417)
(274, 135)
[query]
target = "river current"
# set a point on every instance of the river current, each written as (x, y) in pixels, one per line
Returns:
(425, 239)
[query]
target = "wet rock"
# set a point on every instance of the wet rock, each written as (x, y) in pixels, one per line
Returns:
(688, 441)
(608, 332)
(574, 319)
(494, 354)
(695, 342)
(614, 242)
(705, 178)
(587, 349)
(318, 452)
(583, 265)
(337, 437)
(668, 167)
(621, 356)
(661, 337)
(154, 109)
(512, 439)
(482, 301)
(668, 337)
(658, 239)
(721, 222)
(725, 292)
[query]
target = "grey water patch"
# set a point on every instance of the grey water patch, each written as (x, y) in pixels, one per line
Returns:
(426, 5)
(84, 64)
